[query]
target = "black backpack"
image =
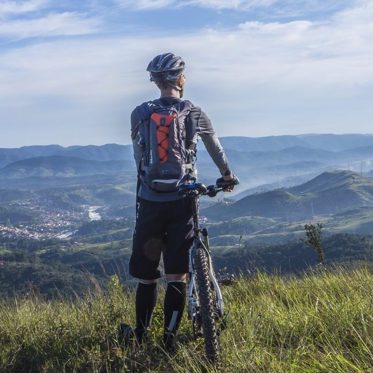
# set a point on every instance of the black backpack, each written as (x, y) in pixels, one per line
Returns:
(166, 135)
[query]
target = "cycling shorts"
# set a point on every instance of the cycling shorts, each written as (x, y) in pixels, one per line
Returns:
(161, 228)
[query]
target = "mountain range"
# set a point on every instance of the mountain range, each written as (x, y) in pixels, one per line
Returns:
(329, 193)
(330, 142)
(261, 163)
(108, 152)
(62, 166)
(48, 195)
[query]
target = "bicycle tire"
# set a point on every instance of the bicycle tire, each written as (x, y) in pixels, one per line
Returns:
(207, 305)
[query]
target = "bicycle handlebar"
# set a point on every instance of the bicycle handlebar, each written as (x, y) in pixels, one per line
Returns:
(199, 189)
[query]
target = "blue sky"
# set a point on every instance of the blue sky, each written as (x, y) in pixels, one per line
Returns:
(72, 71)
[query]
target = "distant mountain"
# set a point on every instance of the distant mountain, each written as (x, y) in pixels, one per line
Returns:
(359, 153)
(317, 141)
(327, 142)
(296, 154)
(334, 180)
(8, 156)
(283, 182)
(258, 162)
(61, 166)
(106, 152)
(266, 167)
(316, 157)
(328, 193)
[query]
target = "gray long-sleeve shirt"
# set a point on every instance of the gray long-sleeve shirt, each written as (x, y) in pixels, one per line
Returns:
(204, 130)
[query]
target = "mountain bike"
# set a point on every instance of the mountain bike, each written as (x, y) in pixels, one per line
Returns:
(205, 300)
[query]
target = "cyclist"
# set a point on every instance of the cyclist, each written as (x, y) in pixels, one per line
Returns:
(163, 216)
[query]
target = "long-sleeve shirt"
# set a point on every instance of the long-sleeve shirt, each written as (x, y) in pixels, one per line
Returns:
(203, 129)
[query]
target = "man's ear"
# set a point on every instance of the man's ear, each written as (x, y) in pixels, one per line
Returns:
(180, 80)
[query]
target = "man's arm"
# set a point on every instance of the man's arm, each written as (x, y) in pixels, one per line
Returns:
(211, 141)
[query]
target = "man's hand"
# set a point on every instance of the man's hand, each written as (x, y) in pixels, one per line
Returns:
(227, 182)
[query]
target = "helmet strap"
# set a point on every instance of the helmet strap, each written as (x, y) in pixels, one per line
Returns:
(178, 88)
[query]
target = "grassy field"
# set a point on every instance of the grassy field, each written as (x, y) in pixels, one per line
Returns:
(321, 322)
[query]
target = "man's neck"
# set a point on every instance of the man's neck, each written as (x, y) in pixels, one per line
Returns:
(170, 92)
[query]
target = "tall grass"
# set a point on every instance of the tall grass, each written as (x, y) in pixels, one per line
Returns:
(322, 322)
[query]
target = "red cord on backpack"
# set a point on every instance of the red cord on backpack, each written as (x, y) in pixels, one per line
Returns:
(163, 122)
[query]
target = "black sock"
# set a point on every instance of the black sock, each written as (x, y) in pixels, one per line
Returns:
(146, 298)
(174, 303)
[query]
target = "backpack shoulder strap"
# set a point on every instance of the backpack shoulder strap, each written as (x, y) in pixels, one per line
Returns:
(187, 105)
(190, 125)
(146, 109)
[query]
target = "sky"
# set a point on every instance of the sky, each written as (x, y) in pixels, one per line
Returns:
(71, 72)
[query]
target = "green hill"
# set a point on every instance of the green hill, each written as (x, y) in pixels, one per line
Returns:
(102, 248)
(328, 193)
(320, 322)
(74, 197)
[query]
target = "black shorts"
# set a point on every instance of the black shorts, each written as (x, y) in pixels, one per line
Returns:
(161, 227)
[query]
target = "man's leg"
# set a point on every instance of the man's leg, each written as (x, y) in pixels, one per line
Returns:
(174, 304)
(148, 243)
(146, 299)
(176, 263)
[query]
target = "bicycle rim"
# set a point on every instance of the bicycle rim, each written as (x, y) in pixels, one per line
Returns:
(207, 305)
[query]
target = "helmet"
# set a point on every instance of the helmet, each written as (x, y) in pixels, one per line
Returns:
(166, 65)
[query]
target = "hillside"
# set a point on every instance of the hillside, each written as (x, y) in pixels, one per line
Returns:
(99, 249)
(11, 155)
(274, 232)
(16, 215)
(328, 193)
(73, 197)
(108, 152)
(320, 322)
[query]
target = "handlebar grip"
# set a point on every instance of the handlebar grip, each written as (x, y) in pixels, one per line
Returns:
(227, 183)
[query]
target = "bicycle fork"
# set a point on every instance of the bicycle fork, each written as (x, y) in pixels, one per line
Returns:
(193, 301)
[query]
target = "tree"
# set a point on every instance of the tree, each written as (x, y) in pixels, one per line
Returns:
(313, 233)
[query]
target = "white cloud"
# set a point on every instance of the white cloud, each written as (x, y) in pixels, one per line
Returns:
(230, 4)
(10, 7)
(283, 7)
(213, 4)
(145, 4)
(66, 24)
(257, 79)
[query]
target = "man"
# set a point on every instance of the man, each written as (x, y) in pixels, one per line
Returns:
(164, 133)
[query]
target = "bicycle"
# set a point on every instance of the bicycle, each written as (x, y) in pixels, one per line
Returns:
(205, 300)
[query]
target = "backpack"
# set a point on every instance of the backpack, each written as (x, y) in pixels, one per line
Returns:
(167, 143)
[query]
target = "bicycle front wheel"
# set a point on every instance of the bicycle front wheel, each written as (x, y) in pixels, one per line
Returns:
(206, 301)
